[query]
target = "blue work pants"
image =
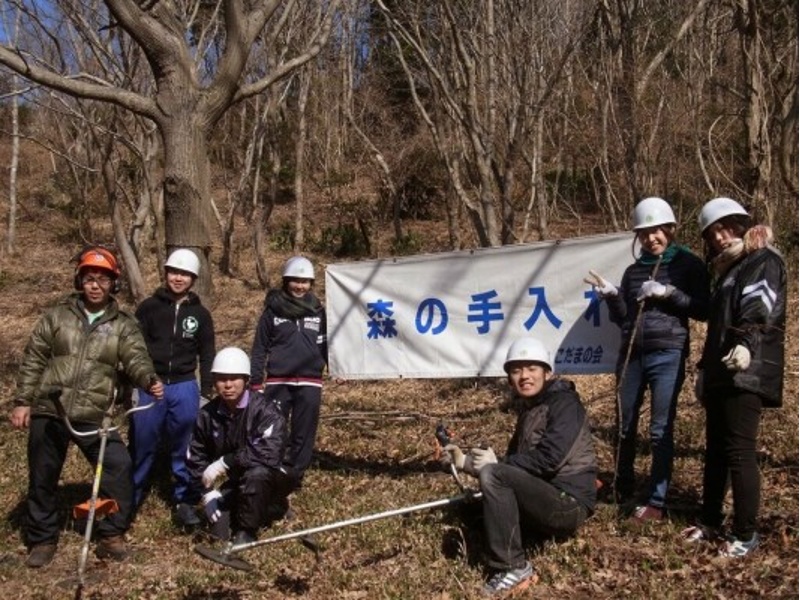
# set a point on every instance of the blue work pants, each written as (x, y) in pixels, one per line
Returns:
(173, 417)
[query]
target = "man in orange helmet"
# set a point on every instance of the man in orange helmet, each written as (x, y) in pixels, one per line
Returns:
(77, 350)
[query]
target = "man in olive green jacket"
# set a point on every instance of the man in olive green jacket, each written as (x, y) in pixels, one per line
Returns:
(76, 350)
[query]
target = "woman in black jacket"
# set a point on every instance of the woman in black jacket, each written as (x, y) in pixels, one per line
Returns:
(289, 354)
(741, 368)
(665, 287)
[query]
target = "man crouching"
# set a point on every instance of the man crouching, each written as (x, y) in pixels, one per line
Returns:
(242, 436)
(546, 482)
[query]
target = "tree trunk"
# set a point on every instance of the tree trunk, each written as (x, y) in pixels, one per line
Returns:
(187, 204)
(758, 149)
(300, 159)
(11, 238)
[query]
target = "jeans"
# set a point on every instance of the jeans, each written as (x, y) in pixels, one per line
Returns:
(732, 420)
(174, 416)
(663, 371)
(513, 500)
(48, 441)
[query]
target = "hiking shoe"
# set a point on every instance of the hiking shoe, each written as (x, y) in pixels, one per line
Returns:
(185, 516)
(648, 513)
(509, 583)
(112, 547)
(700, 533)
(40, 555)
(734, 548)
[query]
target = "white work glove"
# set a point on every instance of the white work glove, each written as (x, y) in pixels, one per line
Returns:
(482, 457)
(213, 471)
(653, 289)
(698, 387)
(455, 456)
(738, 359)
(211, 505)
(602, 287)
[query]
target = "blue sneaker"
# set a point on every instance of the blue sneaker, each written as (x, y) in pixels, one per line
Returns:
(734, 548)
(510, 583)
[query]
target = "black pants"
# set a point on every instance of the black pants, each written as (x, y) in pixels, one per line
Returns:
(732, 420)
(301, 406)
(48, 441)
(252, 500)
(514, 499)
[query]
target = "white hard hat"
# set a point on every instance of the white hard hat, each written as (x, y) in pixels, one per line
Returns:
(651, 212)
(184, 260)
(299, 267)
(529, 350)
(718, 208)
(231, 361)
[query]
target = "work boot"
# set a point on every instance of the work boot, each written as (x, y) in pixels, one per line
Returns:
(41, 555)
(112, 547)
(185, 516)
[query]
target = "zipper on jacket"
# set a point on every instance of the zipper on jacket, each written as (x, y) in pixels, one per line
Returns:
(172, 341)
(90, 327)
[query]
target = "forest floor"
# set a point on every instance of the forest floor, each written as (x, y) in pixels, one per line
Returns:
(374, 453)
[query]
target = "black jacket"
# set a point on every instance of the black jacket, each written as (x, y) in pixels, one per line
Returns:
(253, 435)
(289, 348)
(553, 441)
(665, 321)
(177, 335)
(749, 308)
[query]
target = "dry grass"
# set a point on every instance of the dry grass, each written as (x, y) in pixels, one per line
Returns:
(374, 453)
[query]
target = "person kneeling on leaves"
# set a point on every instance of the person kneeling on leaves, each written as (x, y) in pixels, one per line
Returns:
(242, 436)
(546, 482)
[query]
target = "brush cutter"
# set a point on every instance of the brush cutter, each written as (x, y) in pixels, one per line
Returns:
(95, 506)
(227, 555)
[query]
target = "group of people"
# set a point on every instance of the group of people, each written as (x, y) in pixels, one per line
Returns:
(546, 482)
(258, 432)
(238, 443)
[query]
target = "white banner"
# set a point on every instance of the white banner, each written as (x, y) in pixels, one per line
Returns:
(454, 314)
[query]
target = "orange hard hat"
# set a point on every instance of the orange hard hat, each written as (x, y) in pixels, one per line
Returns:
(98, 258)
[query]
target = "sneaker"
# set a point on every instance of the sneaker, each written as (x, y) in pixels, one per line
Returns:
(185, 516)
(648, 513)
(112, 547)
(734, 548)
(40, 555)
(510, 582)
(700, 533)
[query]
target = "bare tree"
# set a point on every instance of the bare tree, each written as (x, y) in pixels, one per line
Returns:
(197, 55)
(481, 77)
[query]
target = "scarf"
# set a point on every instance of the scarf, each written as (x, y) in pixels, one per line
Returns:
(671, 252)
(728, 257)
(287, 306)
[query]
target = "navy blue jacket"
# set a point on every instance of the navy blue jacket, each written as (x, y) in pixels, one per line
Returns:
(664, 321)
(289, 349)
(177, 337)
